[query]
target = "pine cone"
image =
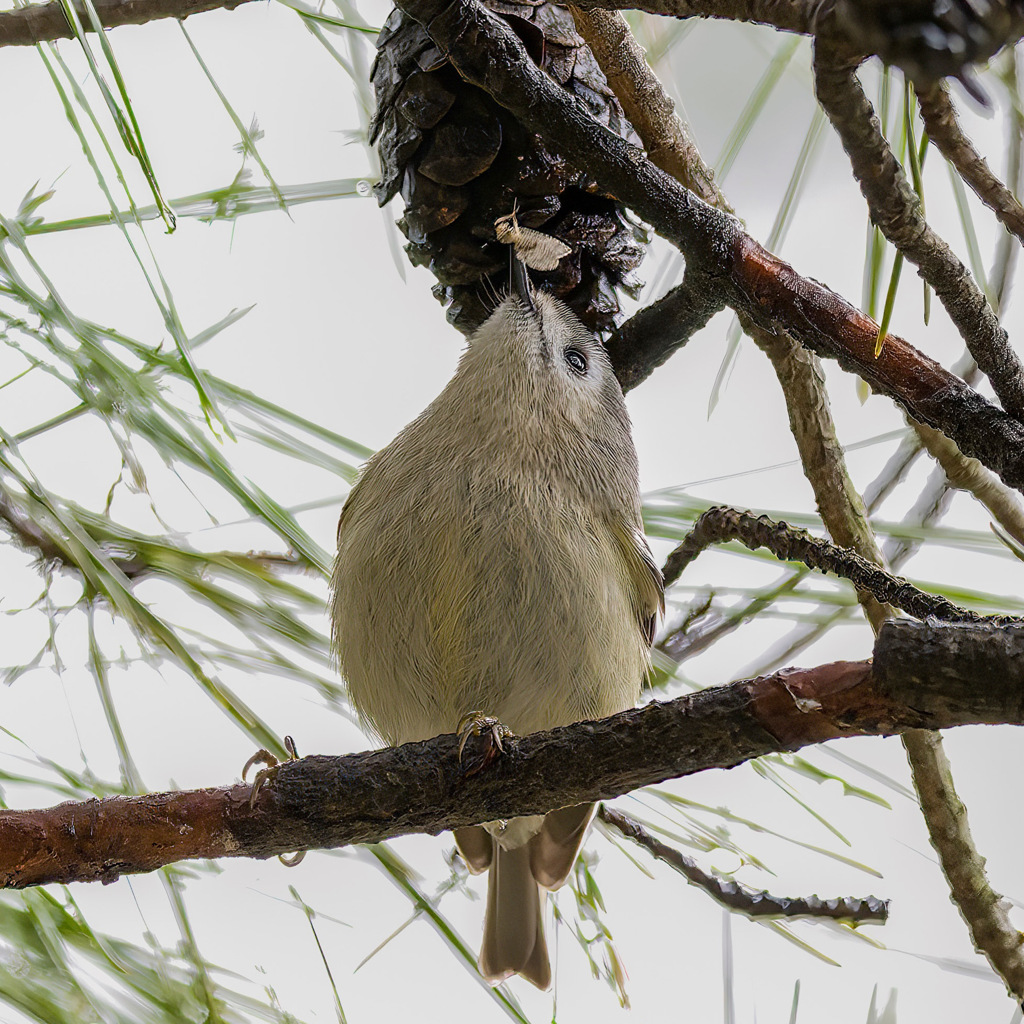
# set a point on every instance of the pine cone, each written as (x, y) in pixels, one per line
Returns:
(461, 161)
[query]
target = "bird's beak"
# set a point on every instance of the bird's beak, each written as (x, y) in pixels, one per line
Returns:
(521, 284)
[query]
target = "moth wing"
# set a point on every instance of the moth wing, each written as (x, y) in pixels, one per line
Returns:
(539, 251)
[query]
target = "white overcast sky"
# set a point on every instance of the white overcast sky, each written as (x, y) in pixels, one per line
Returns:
(338, 334)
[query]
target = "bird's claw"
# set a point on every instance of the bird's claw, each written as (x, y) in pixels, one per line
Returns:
(476, 723)
(265, 775)
(262, 756)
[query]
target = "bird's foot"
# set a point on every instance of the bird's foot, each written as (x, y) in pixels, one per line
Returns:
(476, 723)
(265, 775)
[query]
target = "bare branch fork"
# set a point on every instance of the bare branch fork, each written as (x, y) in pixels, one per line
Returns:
(922, 675)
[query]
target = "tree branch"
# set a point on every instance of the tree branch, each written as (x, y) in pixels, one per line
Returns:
(984, 911)
(37, 23)
(931, 676)
(896, 210)
(785, 15)
(652, 335)
(720, 525)
(940, 121)
(648, 108)
(740, 898)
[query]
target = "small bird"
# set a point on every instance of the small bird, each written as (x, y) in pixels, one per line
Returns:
(491, 558)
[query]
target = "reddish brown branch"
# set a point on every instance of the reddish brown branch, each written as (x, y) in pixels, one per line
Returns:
(931, 676)
(825, 322)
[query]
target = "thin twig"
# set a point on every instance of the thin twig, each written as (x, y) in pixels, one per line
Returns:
(32, 536)
(983, 909)
(940, 121)
(742, 899)
(650, 110)
(821, 455)
(969, 475)
(720, 525)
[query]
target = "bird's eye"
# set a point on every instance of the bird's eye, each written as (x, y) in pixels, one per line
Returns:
(577, 360)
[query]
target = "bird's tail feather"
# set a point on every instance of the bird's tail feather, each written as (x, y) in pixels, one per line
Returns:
(513, 927)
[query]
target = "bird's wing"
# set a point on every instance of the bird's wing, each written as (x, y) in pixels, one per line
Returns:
(647, 585)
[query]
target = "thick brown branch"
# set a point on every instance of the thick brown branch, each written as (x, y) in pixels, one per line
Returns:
(829, 325)
(36, 23)
(421, 787)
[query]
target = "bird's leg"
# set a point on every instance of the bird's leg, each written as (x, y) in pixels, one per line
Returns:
(476, 723)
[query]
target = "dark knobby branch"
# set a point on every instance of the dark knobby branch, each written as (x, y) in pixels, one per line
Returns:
(720, 525)
(896, 210)
(37, 23)
(923, 675)
(487, 53)
(742, 899)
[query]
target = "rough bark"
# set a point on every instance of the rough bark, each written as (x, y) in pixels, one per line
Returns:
(920, 680)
